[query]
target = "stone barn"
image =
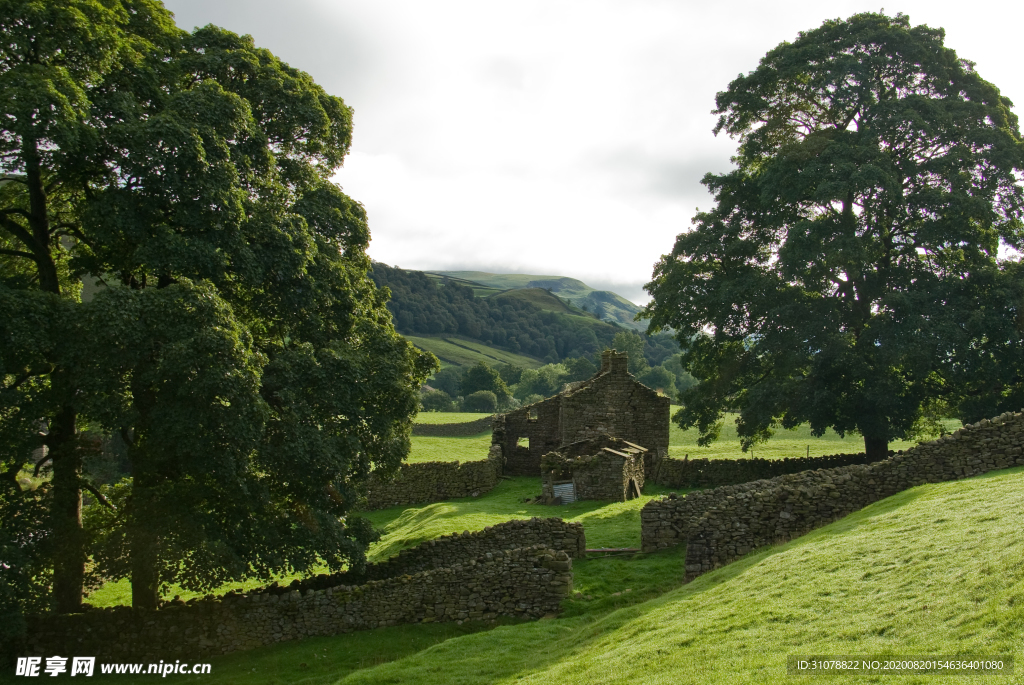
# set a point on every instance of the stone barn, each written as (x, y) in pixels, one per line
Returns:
(603, 468)
(611, 403)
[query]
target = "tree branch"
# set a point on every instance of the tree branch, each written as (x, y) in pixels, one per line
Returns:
(18, 253)
(75, 232)
(39, 464)
(16, 210)
(16, 230)
(99, 495)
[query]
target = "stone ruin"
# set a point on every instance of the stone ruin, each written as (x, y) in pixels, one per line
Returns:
(602, 468)
(612, 403)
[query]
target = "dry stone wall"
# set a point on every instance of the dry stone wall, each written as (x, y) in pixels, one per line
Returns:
(527, 582)
(710, 473)
(553, 533)
(434, 481)
(725, 523)
(454, 430)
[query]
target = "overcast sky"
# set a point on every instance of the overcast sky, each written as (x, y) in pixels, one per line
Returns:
(551, 137)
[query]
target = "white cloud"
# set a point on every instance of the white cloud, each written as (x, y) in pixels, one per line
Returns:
(549, 137)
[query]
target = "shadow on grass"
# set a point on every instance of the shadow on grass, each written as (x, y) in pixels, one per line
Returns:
(319, 660)
(606, 523)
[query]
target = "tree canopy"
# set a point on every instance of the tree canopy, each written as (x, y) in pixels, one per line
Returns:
(236, 345)
(837, 278)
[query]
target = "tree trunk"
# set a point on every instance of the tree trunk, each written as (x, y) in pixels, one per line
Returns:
(876, 448)
(69, 560)
(145, 570)
(69, 564)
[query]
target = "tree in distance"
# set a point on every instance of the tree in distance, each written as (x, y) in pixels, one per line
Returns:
(580, 369)
(436, 400)
(483, 401)
(481, 377)
(632, 343)
(448, 379)
(510, 373)
(875, 180)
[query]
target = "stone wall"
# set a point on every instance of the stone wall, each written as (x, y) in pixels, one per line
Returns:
(612, 402)
(434, 481)
(710, 473)
(723, 524)
(553, 533)
(454, 430)
(527, 582)
(538, 424)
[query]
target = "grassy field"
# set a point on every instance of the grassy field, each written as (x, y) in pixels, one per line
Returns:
(785, 443)
(615, 524)
(436, 417)
(607, 525)
(795, 443)
(458, 352)
(430, 448)
(938, 569)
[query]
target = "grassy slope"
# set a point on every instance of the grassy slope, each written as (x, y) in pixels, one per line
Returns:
(578, 292)
(615, 524)
(935, 570)
(543, 300)
(479, 290)
(459, 352)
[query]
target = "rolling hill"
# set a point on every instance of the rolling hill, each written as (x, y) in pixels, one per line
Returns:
(452, 351)
(531, 322)
(604, 303)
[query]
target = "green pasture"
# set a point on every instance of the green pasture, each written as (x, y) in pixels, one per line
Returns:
(615, 524)
(438, 417)
(474, 448)
(430, 448)
(785, 443)
(936, 570)
(458, 352)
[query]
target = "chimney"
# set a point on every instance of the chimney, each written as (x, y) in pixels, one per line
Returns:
(619, 362)
(606, 361)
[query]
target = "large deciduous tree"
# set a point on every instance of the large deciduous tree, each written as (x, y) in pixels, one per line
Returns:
(238, 348)
(56, 60)
(836, 278)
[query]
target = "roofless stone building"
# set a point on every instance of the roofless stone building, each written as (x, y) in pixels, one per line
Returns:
(603, 468)
(612, 403)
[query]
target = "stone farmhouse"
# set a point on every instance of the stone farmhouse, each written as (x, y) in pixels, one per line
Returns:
(612, 403)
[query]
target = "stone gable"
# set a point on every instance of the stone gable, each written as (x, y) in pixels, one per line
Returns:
(611, 403)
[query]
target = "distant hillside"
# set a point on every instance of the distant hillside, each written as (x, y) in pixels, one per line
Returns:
(604, 303)
(454, 351)
(530, 322)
